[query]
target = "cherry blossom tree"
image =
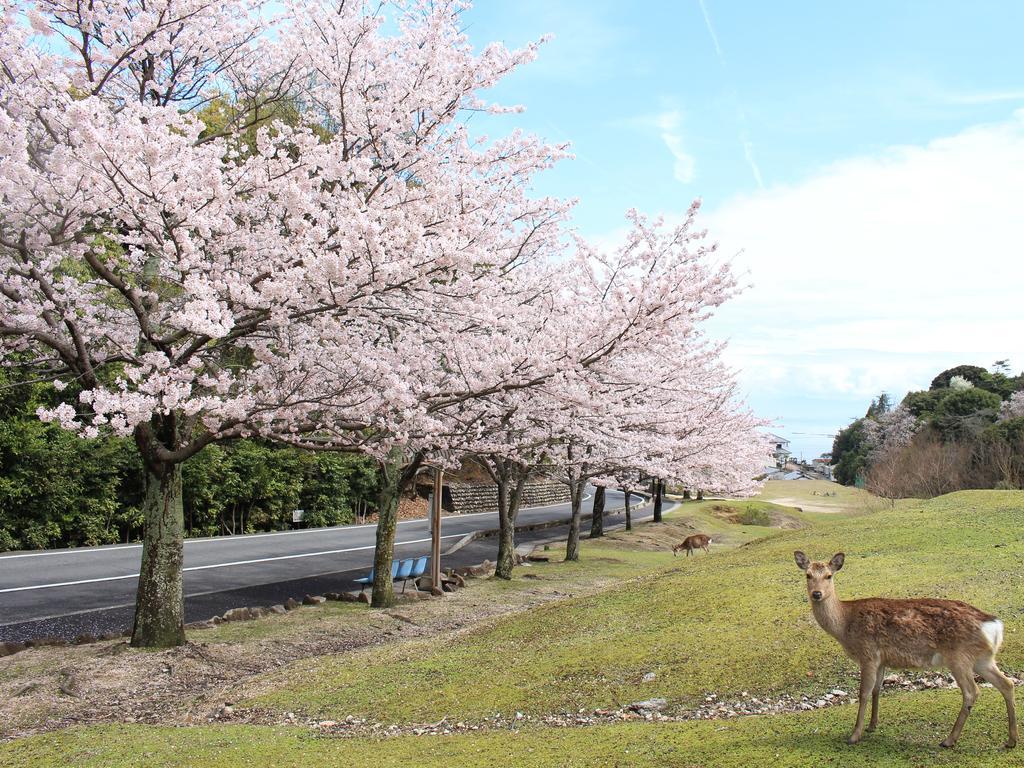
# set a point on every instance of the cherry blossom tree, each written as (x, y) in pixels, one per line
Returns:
(640, 388)
(222, 221)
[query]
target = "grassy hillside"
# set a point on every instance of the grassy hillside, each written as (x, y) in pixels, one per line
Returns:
(727, 623)
(736, 621)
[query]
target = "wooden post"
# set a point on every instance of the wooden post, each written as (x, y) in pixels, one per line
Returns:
(435, 534)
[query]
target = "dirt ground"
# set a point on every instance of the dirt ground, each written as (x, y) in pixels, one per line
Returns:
(47, 688)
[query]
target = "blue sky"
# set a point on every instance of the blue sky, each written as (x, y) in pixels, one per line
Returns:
(861, 164)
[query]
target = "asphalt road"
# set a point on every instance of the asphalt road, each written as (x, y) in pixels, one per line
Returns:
(67, 592)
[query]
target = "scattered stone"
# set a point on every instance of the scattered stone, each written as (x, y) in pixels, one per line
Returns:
(456, 579)
(648, 678)
(278, 609)
(539, 558)
(483, 569)
(200, 625)
(291, 604)
(364, 597)
(314, 600)
(69, 685)
(649, 705)
(237, 614)
(258, 612)
(333, 596)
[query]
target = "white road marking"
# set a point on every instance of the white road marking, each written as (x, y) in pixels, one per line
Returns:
(250, 536)
(220, 565)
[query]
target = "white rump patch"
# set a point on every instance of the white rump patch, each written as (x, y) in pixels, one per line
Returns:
(993, 632)
(937, 660)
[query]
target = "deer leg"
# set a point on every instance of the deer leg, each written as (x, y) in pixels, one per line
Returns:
(879, 677)
(987, 669)
(868, 673)
(965, 679)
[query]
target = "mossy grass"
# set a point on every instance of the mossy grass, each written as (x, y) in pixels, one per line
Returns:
(911, 728)
(732, 621)
(724, 623)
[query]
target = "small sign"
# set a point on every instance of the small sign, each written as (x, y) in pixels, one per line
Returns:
(297, 515)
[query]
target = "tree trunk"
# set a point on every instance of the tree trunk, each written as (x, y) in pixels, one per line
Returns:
(658, 485)
(506, 533)
(686, 495)
(700, 495)
(510, 496)
(629, 513)
(572, 544)
(597, 514)
(383, 594)
(159, 602)
(395, 479)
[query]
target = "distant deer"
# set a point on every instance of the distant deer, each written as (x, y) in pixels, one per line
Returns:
(690, 543)
(880, 632)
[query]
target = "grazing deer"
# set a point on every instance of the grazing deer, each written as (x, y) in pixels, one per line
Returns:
(880, 632)
(690, 543)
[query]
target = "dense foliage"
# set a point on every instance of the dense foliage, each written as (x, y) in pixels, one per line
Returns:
(59, 489)
(965, 431)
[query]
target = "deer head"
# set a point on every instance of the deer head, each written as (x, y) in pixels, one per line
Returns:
(819, 575)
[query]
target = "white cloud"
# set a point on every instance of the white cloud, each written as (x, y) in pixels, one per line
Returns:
(881, 271)
(669, 125)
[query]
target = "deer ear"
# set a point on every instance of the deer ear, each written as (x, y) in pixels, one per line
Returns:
(837, 561)
(801, 560)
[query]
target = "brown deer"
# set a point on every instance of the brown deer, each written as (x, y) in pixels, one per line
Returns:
(880, 632)
(690, 543)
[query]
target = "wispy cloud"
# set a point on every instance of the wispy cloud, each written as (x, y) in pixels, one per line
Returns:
(711, 31)
(669, 125)
(745, 141)
(975, 98)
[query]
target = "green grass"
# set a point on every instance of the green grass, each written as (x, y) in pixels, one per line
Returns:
(911, 727)
(728, 622)
(736, 620)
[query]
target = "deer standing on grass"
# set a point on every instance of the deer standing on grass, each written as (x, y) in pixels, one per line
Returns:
(880, 632)
(690, 543)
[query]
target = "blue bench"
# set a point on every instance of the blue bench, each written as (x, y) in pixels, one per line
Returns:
(401, 570)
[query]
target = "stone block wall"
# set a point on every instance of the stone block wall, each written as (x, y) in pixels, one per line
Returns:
(471, 498)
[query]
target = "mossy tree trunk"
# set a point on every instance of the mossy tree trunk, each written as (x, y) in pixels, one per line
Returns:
(572, 543)
(597, 514)
(160, 602)
(511, 480)
(396, 475)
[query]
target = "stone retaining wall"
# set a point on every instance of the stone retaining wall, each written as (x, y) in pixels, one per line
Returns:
(467, 499)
